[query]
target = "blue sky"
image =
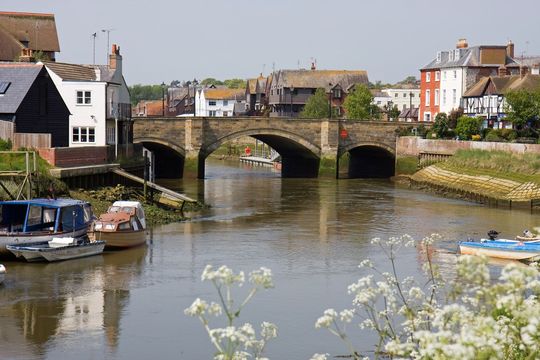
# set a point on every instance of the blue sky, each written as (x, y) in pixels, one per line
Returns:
(164, 40)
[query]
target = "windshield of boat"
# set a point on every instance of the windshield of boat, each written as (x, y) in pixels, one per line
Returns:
(125, 209)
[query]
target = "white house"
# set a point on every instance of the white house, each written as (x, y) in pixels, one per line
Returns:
(98, 98)
(403, 98)
(219, 102)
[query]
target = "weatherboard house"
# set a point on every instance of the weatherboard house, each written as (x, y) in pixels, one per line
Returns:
(99, 102)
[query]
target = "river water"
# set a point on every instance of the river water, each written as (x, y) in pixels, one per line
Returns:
(312, 234)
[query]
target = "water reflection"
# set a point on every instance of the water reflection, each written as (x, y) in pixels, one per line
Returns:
(44, 303)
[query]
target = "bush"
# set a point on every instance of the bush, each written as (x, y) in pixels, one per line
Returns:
(493, 136)
(440, 126)
(508, 134)
(5, 144)
(467, 127)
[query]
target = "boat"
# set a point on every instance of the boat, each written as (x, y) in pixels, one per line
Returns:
(57, 249)
(512, 250)
(2, 273)
(122, 226)
(39, 220)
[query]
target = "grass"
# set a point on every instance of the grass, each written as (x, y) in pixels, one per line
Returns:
(17, 162)
(406, 165)
(516, 167)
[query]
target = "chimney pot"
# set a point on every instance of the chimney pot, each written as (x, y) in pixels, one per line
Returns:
(462, 44)
(510, 49)
(503, 71)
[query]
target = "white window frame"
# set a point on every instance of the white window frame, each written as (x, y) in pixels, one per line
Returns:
(85, 98)
(436, 97)
(212, 103)
(427, 116)
(444, 97)
(437, 75)
(454, 96)
(80, 131)
(455, 74)
(428, 97)
(428, 76)
(225, 102)
(212, 113)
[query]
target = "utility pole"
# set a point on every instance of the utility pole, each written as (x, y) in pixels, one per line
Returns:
(94, 48)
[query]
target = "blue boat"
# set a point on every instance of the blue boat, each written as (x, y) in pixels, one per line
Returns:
(38, 220)
(502, 249)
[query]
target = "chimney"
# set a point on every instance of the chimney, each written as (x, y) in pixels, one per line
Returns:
(535, 69)
(115, 59)
(502, 70)
(524, 70)
(462, 44)
(27, 55)
(510, 49)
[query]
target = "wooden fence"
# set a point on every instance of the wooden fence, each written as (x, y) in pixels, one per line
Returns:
(31, 141)
(6, 130)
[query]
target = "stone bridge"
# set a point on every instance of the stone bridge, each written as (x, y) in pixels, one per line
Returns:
(308, 147)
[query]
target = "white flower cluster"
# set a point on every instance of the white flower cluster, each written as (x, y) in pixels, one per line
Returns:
(231, 342)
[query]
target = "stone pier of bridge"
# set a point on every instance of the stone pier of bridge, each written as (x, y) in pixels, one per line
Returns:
(308, 147)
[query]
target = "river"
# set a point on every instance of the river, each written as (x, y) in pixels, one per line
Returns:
(312, 234)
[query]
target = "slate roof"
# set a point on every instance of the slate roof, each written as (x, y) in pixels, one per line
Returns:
(72, 71)
(325, 79)
(22, 26)
(409, 113)
(21, 76)
(469, 57)
(251, 86)
(499, 85)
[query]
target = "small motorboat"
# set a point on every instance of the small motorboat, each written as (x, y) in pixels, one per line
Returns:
(57, 249)
(122, 226)
(502, 249)
(2, 273)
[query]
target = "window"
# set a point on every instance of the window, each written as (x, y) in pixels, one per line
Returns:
(437, 75)
(110, 135)
(225, 113)
(454, 96)
(395, 95)
(444, 75)
(225, 102)
(4, 85)
(455, 74)
(84, 97)
(456, 54)
(404, 95)
(428, 76)
(451, 56)
(379, 102)
(336, 94)
(84, 134)
(212, 113)
(427, 117)
(404, 107)
(436, 97)
(444, 97)
(428, 95)
(212, 103)
(439, 56)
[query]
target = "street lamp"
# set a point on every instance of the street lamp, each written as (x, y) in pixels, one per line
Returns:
(163, 99)
(389, 109)
(330, 102)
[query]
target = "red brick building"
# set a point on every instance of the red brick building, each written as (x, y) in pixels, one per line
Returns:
(430, 81)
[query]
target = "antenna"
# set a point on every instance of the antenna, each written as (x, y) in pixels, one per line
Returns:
(108, 31)
(298, 64)
(94, 35)
(273, 67)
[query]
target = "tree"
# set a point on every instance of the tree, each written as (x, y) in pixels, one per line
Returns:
(468, 126)
(235, 83)
(440, 126)
(453, 117)
(317, 106)
(393, 113)
(523, 108)
(358, 104)
(140, 92)
(211, 81)
(409, 80)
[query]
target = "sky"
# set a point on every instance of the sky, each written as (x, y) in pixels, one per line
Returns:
(166, 40)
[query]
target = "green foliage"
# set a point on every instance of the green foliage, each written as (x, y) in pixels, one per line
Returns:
(140, 92)
(409, 80)
(358, 103)
(393, 113)
(235, 83)
(453, 117)
(440, 126)
(500, 135)
(317, 106)
(211, 81)
(406, 165)
(5, 144)
(467, 127)
(523, 107)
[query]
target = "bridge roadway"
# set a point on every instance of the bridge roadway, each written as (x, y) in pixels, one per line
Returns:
(308, 147)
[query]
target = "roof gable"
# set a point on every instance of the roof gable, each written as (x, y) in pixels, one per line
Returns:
(72, 72)
(21, 76)
(325, 79)
(22, 26)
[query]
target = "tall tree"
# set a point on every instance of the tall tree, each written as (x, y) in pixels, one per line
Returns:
(235, 83)
(523, 108)
(211, 81)
(317, 106)
(140, 92)
(358, 104)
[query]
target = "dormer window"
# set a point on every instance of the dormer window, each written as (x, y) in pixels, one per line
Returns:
(456, 54)
(450, 55)
(336, 93)
(439, 56)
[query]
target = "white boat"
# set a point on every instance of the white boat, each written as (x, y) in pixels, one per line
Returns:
(38, 220)
(2, 273)
(122, 226)
(57, 249)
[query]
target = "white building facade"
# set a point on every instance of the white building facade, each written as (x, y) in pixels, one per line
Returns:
(212, 102)
(403, 98)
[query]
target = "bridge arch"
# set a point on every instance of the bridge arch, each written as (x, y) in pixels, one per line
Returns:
(369, 160)
(299, 156)
(169, 157)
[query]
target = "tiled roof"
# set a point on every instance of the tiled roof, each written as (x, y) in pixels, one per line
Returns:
(502, 84)
(325, 79)
(251, 86)
(72, 71)
(224, 94)
(21, 76)
(23, 27)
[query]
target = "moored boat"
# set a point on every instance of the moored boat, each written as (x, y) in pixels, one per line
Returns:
(513, 250)
(39, 220)
(122, 226)
(57, 249)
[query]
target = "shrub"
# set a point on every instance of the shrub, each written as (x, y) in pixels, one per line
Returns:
(5, 144)
(493, 136)
(508, 134)
(440, 126)
(467, 127)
